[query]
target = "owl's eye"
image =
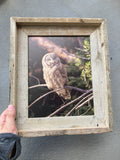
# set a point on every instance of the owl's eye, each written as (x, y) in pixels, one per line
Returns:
(48, 58)
(49, 61)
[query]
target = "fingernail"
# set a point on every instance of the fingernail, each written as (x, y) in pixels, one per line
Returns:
(11, 107)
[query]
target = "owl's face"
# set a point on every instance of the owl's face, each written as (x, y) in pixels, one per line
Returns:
(52, 60)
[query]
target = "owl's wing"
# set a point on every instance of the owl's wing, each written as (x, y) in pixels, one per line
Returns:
(47, 77)
(64, 74)
(59, 77)
(59, 81)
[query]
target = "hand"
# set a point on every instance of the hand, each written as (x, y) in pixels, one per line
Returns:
(7, 121)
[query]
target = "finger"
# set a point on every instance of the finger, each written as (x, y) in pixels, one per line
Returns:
(3, 117)
(10, 117)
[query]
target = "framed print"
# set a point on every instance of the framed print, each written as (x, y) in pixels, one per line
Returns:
(60, 76)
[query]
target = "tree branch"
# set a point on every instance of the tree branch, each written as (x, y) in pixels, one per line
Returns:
(69, 87)
(38, 85)
(75, 88)
(84, 102)
(77, 104)
(43, 96)
(52, 47)
(64, 106)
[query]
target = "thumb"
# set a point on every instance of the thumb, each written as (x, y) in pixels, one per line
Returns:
(10, 118)
(3, 118)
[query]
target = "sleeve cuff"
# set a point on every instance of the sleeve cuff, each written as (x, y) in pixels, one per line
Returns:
(9, 143)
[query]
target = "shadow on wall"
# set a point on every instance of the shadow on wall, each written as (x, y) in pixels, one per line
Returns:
(2, 1)
(48, 143)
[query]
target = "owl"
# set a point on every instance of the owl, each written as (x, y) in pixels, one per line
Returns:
(55, 74)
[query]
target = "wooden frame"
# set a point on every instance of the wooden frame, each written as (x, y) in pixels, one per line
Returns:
(101, 121)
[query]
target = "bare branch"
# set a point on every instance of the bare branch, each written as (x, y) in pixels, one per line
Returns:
(38, 85)
(84, 102)
(77, 89)
(77, 104)
(69, 87)
(52, 47)
(43, 96)
(64, 106)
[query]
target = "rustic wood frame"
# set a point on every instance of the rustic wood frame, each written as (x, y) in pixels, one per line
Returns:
(101, 121)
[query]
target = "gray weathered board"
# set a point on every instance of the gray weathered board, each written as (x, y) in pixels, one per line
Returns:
(102, 119)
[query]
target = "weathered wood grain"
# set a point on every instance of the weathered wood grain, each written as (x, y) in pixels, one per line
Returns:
(101, 121)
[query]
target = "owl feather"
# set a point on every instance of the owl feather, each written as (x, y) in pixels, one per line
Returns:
(55, 74)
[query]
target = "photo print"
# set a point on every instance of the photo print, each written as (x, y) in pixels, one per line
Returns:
(59, 76)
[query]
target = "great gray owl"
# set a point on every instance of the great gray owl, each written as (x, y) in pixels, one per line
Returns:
(55, 74)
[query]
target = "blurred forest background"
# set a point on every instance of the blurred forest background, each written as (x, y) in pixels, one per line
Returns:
(79, 78)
